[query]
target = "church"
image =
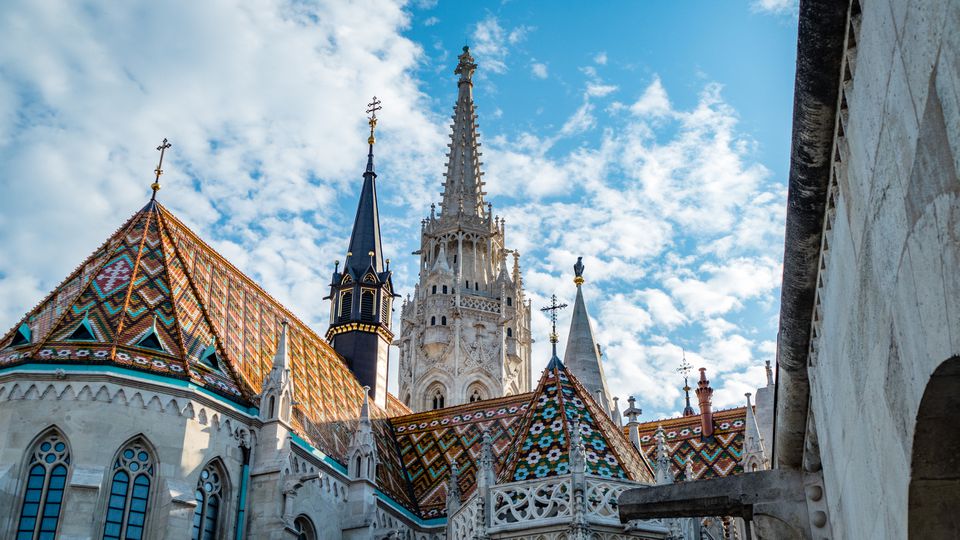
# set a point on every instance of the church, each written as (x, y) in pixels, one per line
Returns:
(158, 392)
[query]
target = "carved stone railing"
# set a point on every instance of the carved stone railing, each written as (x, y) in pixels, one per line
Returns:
(601, 499)
(463, 523)
(479, 304)
(542, 501)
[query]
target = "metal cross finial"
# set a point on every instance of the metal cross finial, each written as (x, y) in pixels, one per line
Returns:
(372, 109)
(156, 183)
(685, 367)
(552, 309)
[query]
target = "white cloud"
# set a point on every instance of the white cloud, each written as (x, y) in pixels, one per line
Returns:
(775, 6)
(653, 102)
(431, 21)
(490, 41)
(599, 89)
(600, 58)
(539, 70)
(264, 104)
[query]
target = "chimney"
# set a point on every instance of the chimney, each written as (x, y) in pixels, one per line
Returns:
(704, 393)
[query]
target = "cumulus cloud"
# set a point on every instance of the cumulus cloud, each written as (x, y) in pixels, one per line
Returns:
(653, 102)
(600, 58)
(490, 43)
(539, 70)
(264, 104)
(775, 6)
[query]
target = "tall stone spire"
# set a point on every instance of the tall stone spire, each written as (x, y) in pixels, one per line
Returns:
(582, 356)
(361, 296)
(463, 186)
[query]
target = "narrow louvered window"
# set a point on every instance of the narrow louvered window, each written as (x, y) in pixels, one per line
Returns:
(385, 309)
(366, 306)
(346, 306)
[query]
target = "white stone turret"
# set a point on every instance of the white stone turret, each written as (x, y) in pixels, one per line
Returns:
(362, 474)
(663, 474)
(465, 334)
(276, 396)
(754, 456)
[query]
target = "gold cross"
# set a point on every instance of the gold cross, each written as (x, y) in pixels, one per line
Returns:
(372, 109)
(156, 183)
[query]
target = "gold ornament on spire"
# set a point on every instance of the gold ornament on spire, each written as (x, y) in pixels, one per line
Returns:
(372, 109)
(156, 183)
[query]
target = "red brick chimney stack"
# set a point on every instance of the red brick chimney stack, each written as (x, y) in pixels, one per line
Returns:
(704, 393)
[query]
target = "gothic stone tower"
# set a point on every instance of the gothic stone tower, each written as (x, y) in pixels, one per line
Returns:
(361, 296)
(465, 333)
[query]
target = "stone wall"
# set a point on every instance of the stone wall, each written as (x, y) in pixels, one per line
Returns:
(889, 297)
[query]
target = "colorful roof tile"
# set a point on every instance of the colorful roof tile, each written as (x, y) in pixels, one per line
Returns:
(543, 447)
(430, 442)
(714, 457)
(156, 298)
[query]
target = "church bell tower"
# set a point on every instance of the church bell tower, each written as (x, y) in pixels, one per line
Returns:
(465, 333)
(361, 295)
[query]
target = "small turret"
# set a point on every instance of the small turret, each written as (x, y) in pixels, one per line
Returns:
(705, 395)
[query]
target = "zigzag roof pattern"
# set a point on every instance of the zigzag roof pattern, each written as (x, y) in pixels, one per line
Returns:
(431, 441)
(717, 456)
(156, 298)
(543, 448)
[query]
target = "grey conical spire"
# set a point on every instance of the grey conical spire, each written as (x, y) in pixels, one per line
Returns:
(463, 186)
(582, 355)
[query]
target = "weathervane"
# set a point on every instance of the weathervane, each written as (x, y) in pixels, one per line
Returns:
(552, 309)
(156, 183)
(372, 109)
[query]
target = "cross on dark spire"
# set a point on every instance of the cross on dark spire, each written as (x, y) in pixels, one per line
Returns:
(684, 369)
(156, 183)
(551, 310)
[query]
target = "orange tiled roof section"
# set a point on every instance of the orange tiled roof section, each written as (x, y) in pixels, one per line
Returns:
(430, 441)
(156, 276)
(715, 457)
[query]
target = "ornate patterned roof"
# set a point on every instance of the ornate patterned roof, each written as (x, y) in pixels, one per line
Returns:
(711, 458)
(156, 298)
(430, 441)
(543, 447)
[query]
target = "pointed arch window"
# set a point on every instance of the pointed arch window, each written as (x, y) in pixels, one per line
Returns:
(209, 495)
(305, 529)
(346, 306)
(438, 399)
(443, 320)
(46, 479)
(433, 321)
(475, 396)
(129, 493)
(509, 332)
(367, 301)
(444, 289)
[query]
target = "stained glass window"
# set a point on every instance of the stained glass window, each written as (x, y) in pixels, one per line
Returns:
(209, 495)
(43, 495)
(304, 527)
(129, 493)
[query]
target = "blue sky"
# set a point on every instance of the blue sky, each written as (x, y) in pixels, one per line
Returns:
(652, 138)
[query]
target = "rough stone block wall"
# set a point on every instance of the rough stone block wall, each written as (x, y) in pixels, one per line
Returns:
(891, 289)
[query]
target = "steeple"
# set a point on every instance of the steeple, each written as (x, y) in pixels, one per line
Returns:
(463, 186)
(582, 356)
(365, 238)
(361, 295)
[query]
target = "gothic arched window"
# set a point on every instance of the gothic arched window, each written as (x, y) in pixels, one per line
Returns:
(509, 332)
(43, 495)
(477, 392)
(509, 300)
(366, 305)
(468, 283)
(475, 396)
(433, 321)
(304, 528)
(434, 290)
(129, 492)
(209, 495)
(443, 320)
(438, 399)
(346, 306)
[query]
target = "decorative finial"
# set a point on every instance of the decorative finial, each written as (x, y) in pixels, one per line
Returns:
(466, 66)
(372, 109)
(336, 266)
(552, 309)
(156, 183)
(684, 369)
(578, 272)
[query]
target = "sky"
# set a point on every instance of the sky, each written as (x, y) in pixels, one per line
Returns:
(651, 138)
